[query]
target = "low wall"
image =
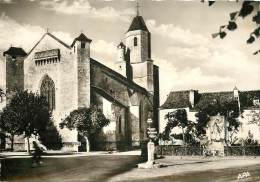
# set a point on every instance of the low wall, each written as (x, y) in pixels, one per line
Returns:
(242, 151)
(178, 150)
(173, 150)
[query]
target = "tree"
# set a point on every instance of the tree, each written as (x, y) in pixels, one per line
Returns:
(9, 124)
(247, 8)
(29, 114)
(177, 118)
(50, 137)
(87, 121)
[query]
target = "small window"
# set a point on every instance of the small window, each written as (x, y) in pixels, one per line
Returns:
(83, 45)
(135, 41)
(119, 125)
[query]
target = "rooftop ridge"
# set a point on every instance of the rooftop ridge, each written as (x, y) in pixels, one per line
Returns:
(52, 36)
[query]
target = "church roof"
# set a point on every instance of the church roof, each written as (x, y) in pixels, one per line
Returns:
(52, 36)
(82, 37)
(120, 77)
(138, 24)
(15, 51)
(180, 99)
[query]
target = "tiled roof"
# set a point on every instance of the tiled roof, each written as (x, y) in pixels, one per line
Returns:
(15, 51)
(180, 99)
(81, 37)
(213, 97)
(119, 77)
(138, 24)
(246, 98)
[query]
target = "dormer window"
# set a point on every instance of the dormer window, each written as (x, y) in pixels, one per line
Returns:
(135, 41)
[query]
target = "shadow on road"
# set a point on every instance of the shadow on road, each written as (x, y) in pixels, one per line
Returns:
(180, 164)
(87, 168)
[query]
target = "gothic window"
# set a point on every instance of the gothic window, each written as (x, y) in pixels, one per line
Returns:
(135, 41)
(48, 91)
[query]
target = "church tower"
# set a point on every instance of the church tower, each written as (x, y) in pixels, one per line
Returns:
(81, 46)
(138, 42)
(14, 59)
(121, 59)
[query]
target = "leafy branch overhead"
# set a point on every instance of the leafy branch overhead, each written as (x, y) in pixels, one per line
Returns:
(247, 8)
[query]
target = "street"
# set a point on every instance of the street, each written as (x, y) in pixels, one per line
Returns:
(121, 167)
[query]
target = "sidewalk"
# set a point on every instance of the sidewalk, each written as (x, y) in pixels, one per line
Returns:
(173, 165)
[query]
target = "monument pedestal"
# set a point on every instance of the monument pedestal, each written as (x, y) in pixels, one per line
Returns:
(150, 162)
(149, 165)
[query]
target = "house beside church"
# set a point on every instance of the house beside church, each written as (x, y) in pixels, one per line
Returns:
(70, 78)
(192, 100)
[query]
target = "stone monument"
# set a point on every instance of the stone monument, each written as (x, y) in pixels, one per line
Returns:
(150, 149)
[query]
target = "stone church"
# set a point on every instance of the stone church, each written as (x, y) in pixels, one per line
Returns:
(70, 78)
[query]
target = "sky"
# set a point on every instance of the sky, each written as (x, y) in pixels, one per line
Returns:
(182, 46)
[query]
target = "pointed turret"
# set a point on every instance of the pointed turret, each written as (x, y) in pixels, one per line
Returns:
(138, 24)
(81, 38)
(15, 51)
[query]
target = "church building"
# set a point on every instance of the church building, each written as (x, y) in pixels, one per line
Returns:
(70, 78)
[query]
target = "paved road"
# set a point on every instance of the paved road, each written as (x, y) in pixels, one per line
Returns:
(72, 169)
(114, 168)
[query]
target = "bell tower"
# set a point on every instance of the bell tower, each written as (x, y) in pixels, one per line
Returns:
(138, 41)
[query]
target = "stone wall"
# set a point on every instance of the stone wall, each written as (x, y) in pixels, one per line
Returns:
(132, 101)
(64, 75)
(140, 52)
(83, 59)
(14, 75)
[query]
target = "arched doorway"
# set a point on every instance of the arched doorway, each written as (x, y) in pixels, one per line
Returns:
(48, 91)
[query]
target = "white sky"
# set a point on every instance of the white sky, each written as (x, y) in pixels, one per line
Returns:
(181, 37)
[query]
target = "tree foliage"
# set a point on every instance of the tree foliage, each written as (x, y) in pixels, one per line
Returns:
(27, 113)
(87, 121)
(50, 137)
(247, 8)
(177, 118)
(9, 124)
